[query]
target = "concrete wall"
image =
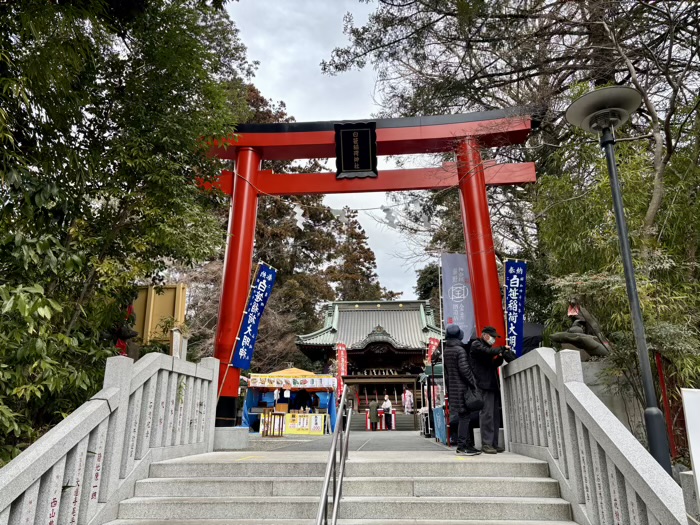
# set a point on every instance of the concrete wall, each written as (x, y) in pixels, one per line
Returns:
(159, 408)
(626, 409)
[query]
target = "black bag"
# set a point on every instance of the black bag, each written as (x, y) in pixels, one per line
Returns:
(387, 410)
(473, 400)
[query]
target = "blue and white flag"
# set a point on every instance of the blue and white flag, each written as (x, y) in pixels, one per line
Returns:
(260, 291)
(457, 302)
(516, 274)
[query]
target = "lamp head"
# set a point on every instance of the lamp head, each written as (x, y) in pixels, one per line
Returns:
(608, 107)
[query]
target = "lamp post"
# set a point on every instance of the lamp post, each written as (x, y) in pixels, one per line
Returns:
(601, 112)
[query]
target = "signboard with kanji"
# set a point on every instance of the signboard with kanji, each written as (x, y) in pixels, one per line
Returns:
(342, 360)
(356, 150)
(260, 292)
(457, 301)
(516, 274)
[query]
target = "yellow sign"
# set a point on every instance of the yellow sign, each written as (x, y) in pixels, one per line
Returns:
(270, 381)
(304, 424)
(300, 424)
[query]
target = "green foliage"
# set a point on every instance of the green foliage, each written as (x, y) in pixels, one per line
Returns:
(103, 113)
(428, 281)
(455, 56)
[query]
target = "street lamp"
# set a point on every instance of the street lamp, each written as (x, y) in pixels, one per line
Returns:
(601, 112)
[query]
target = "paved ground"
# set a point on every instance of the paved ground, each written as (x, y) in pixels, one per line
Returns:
(398, 441)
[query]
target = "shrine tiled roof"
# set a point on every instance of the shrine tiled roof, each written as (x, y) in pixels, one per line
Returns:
(402, 324)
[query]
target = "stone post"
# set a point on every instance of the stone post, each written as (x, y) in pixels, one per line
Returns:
(118, 375)
(209, 402)
(176, 343)
(689, 496)
(568, 368)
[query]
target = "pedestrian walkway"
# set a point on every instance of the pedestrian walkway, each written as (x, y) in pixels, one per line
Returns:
(395, 440)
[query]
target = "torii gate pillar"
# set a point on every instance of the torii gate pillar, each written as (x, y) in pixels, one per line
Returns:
(478, 237)
(238, 263)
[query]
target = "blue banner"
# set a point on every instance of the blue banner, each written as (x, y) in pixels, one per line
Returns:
(260, 291)
(457, 303)
(440, 424)
(516, 274)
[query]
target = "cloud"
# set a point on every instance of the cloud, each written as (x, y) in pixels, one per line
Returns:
(290, 39)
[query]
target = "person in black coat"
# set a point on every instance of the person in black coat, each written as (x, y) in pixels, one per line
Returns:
(485, 359)
(459, 378)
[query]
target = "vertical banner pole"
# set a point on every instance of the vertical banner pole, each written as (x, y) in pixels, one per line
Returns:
(342, 363)
(446, 394)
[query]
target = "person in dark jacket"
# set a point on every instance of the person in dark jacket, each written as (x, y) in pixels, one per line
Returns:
(459, 379)
(373, 414)
(485, 358)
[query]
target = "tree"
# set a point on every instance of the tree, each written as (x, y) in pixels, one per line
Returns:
(103, 131)
(449, 56)
(354, 270)
(428, 281)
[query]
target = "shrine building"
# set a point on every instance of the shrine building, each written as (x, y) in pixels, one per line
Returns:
(385, 345)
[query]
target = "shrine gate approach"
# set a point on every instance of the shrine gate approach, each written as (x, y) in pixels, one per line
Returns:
(463, 134)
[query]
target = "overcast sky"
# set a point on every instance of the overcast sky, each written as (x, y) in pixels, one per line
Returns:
(290, 38)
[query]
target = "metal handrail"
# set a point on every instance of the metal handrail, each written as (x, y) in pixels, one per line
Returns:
(339, 434)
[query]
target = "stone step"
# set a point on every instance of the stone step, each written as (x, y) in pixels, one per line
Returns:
(358, 486)
(505, 465)
(340, 522)
(352, 508)
(358, 421)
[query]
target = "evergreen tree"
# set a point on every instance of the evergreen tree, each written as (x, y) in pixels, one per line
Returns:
(103, 108)
(354, 270)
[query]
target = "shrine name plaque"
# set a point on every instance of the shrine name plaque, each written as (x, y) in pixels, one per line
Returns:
(356, 150)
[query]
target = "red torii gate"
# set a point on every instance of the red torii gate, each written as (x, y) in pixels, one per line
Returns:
(464, 134)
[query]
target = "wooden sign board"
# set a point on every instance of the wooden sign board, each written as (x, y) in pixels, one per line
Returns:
(356, 150)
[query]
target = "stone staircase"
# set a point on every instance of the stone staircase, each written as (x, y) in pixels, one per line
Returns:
(403, 422)
(427, 487)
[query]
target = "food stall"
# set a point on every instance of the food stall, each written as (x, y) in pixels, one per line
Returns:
(290, 402)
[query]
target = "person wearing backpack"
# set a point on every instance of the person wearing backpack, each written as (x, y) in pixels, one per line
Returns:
(485, 358)
(461, 385)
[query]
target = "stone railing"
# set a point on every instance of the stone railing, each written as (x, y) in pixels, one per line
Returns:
(691, 498)
(158, 408)
(604, 472)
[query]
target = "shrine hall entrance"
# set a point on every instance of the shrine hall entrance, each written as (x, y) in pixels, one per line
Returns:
(356, 145)
(379, 348)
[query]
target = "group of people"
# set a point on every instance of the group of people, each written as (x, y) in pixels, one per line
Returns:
(374, 409)
(473, 367)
